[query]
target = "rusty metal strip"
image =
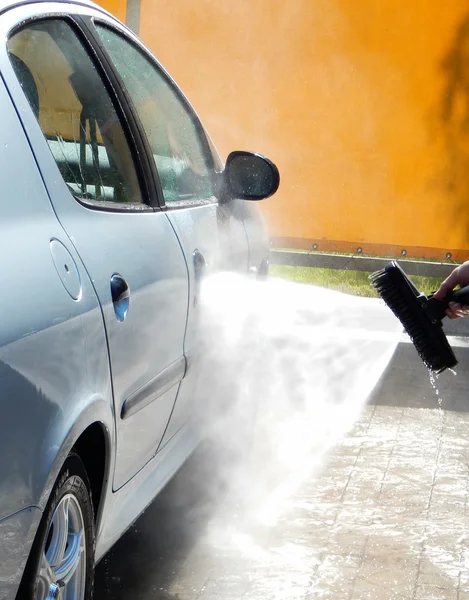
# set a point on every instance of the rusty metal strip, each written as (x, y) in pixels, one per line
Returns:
(322, 245)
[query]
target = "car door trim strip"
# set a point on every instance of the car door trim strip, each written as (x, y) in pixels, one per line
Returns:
(154, 388)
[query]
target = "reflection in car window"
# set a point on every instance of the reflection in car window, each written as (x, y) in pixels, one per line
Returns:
(75, 112)
(177, 149)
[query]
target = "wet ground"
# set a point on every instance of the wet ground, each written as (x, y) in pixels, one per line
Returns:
(387, 517)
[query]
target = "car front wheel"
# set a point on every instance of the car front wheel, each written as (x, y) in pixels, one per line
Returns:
(61, 563)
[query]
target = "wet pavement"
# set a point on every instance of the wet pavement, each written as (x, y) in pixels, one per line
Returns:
(387, 517)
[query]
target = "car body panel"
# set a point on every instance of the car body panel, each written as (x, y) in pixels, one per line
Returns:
(220, 240)
(17, 534)
(40, 319)
(125, 505)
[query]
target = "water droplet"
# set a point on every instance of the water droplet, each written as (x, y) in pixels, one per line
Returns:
(433, 379)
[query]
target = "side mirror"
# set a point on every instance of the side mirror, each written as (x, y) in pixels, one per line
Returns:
(249, 176)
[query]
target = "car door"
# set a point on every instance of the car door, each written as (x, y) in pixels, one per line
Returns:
(93, 164)
(211, 233)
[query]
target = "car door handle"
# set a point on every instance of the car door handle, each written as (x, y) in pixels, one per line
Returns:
(199, 262)
(199, 267)
(120, 294)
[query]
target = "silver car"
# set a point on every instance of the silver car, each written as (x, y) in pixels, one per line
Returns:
(114, 204)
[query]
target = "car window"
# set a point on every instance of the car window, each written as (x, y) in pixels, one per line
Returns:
(75, 112)
(171, 129)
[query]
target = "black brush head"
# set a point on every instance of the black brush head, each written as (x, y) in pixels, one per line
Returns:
(411, 308)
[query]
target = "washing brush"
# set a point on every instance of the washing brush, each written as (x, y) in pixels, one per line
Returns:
(420, 315)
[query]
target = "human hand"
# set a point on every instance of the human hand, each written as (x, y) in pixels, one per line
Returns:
(460, 276)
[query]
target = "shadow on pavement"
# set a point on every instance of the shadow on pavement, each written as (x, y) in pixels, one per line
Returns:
(406, 382)
(147, 559)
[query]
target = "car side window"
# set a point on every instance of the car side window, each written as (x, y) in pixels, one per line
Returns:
(75, 112)
(171, 129)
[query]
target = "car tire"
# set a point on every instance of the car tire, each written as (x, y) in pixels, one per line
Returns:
(61, 562)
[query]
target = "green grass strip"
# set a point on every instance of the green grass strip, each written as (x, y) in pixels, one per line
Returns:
(348, 281)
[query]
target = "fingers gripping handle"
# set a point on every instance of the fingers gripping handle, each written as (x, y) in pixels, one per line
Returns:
(460, 296)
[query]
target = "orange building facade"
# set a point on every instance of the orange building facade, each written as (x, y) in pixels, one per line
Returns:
(363, 105)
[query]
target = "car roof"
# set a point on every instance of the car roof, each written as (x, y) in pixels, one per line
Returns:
(8, 4)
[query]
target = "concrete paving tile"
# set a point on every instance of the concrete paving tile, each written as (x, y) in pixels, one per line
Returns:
(271, 589)
(464, 574)
(368, 475)
(436, 578)
(388, 572)
(390, 412)
(227, 585)
(211, 596)
(334, 574)
(407, 457)
(323, 518)
(450, 485)
(333, 483)
(337, 471)
(380, 542)
(360, 431)
(182, 591)
(451, 568)
(453, 461)
(380, 563)
(330, 591)
(455, 438)
(353, 498)
(340, 461)
(346, 564)
(329, 578)
(357, 513)
(405, 470)
(403, 487)
(364, 590)
(415, 500)
(458, 469)
(429, 592)
(436, 559)
(348, 544)
(374, 457)
(451, 506)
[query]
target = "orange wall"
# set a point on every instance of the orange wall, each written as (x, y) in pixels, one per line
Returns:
(117, 7)
(363, 105)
